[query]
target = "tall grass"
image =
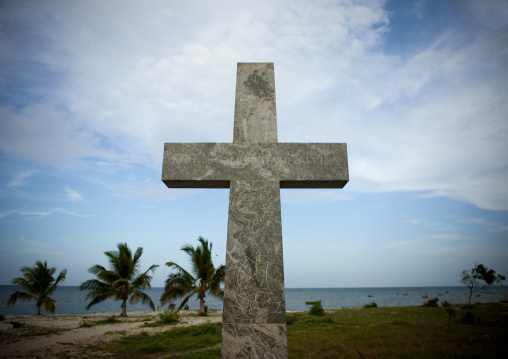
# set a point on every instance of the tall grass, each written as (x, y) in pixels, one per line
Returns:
(395, 332)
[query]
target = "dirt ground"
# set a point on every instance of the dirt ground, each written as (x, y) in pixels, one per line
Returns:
(65, 336)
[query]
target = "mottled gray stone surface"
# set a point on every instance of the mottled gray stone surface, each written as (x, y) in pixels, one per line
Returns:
(255, 167)
(254, 288)
(295, 165)
(254, 341)
(255, 115)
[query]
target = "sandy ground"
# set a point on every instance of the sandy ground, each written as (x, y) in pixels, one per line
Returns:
(54, 336)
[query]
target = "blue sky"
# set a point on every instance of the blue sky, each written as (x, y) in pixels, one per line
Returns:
(91, 90)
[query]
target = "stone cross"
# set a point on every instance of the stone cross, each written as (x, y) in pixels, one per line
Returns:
(255, 166)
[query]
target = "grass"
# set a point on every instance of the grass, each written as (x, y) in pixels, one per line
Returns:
(196, 341)
(390, 332)
(396, 332)
(27, 331)
(113, 320)
(403, 332)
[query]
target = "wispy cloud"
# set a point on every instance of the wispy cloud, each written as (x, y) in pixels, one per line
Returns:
(26, 246)
(489, 225)
(72, 195)
(295, 196)
(413, 221)
(448, 236)
(43, 213)
(20, 178)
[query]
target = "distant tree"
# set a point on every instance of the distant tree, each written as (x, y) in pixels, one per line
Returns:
(37, 284)
(121, 281)
(476, 279)
(205, 277)
(500, 279)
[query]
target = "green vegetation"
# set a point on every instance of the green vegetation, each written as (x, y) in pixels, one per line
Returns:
(479, 278)
(206, 277)
(198, 341)
(37, 284)
(316, 308)
(371, 305)
(171, 316)
(107, 321)
(432, 303)
(121, 281)
(388, 332)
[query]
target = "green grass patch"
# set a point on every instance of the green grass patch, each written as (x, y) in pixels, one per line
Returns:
(107, 321)
(395, 332)
(176, 341)
(402, 332)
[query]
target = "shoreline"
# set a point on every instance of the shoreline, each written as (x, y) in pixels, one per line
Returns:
(52, 335)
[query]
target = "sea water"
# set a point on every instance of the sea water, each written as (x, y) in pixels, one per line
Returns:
(70, 300)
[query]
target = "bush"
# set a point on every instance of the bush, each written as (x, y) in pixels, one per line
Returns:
(445, 303)
(371, 305)
(316, 308)
(451, 314)
(469, 318)
(112, 319)
(171, 316)
(432, 303)
(2, 317)
(290, 319)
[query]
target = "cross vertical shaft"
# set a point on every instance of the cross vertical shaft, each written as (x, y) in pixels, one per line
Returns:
(255, 166)
(254, 319)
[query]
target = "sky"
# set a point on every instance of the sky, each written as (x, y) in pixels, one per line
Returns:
(91, 90)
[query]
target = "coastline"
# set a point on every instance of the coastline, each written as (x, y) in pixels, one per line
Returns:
(52, 335)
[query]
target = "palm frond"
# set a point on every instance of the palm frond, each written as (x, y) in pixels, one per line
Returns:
(145, 299)
(121, 280)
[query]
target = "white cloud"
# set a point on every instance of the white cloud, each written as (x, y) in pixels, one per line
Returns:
(298, 196)
(26, 246)
(449, 236)
(6, 213)
(72, 195)
(413, 221)
(49, 212)
(20, 178)
(432, 120)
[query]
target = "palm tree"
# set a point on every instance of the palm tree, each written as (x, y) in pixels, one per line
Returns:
(206, 278)
(38, 284)
(122, 280)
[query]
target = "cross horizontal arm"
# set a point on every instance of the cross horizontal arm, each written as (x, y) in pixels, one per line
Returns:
(295, 165)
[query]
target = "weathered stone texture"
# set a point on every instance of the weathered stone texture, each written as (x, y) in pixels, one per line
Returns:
(254, 288)
(295, 165)
(241, 341)
(255, 114)
(255, 167)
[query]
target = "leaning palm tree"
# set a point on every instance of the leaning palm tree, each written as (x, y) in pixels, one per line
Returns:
(37, 284)
(205, 277)
(122, 280)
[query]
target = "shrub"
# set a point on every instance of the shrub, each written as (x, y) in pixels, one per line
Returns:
(432, 303)
(290, 319)
(445, 303)
(451, 314)
(2, 317)
(469, 318)
(316, 308)
(171, 316)
(371, 305)
(112, 319)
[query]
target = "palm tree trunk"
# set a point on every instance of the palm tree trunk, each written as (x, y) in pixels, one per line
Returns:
(39, 305)
(124, 307)
(201, 306)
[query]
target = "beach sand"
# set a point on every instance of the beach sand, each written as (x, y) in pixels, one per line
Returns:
(54, 336)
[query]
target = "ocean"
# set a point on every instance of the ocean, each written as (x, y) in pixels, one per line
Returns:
(70, 300)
